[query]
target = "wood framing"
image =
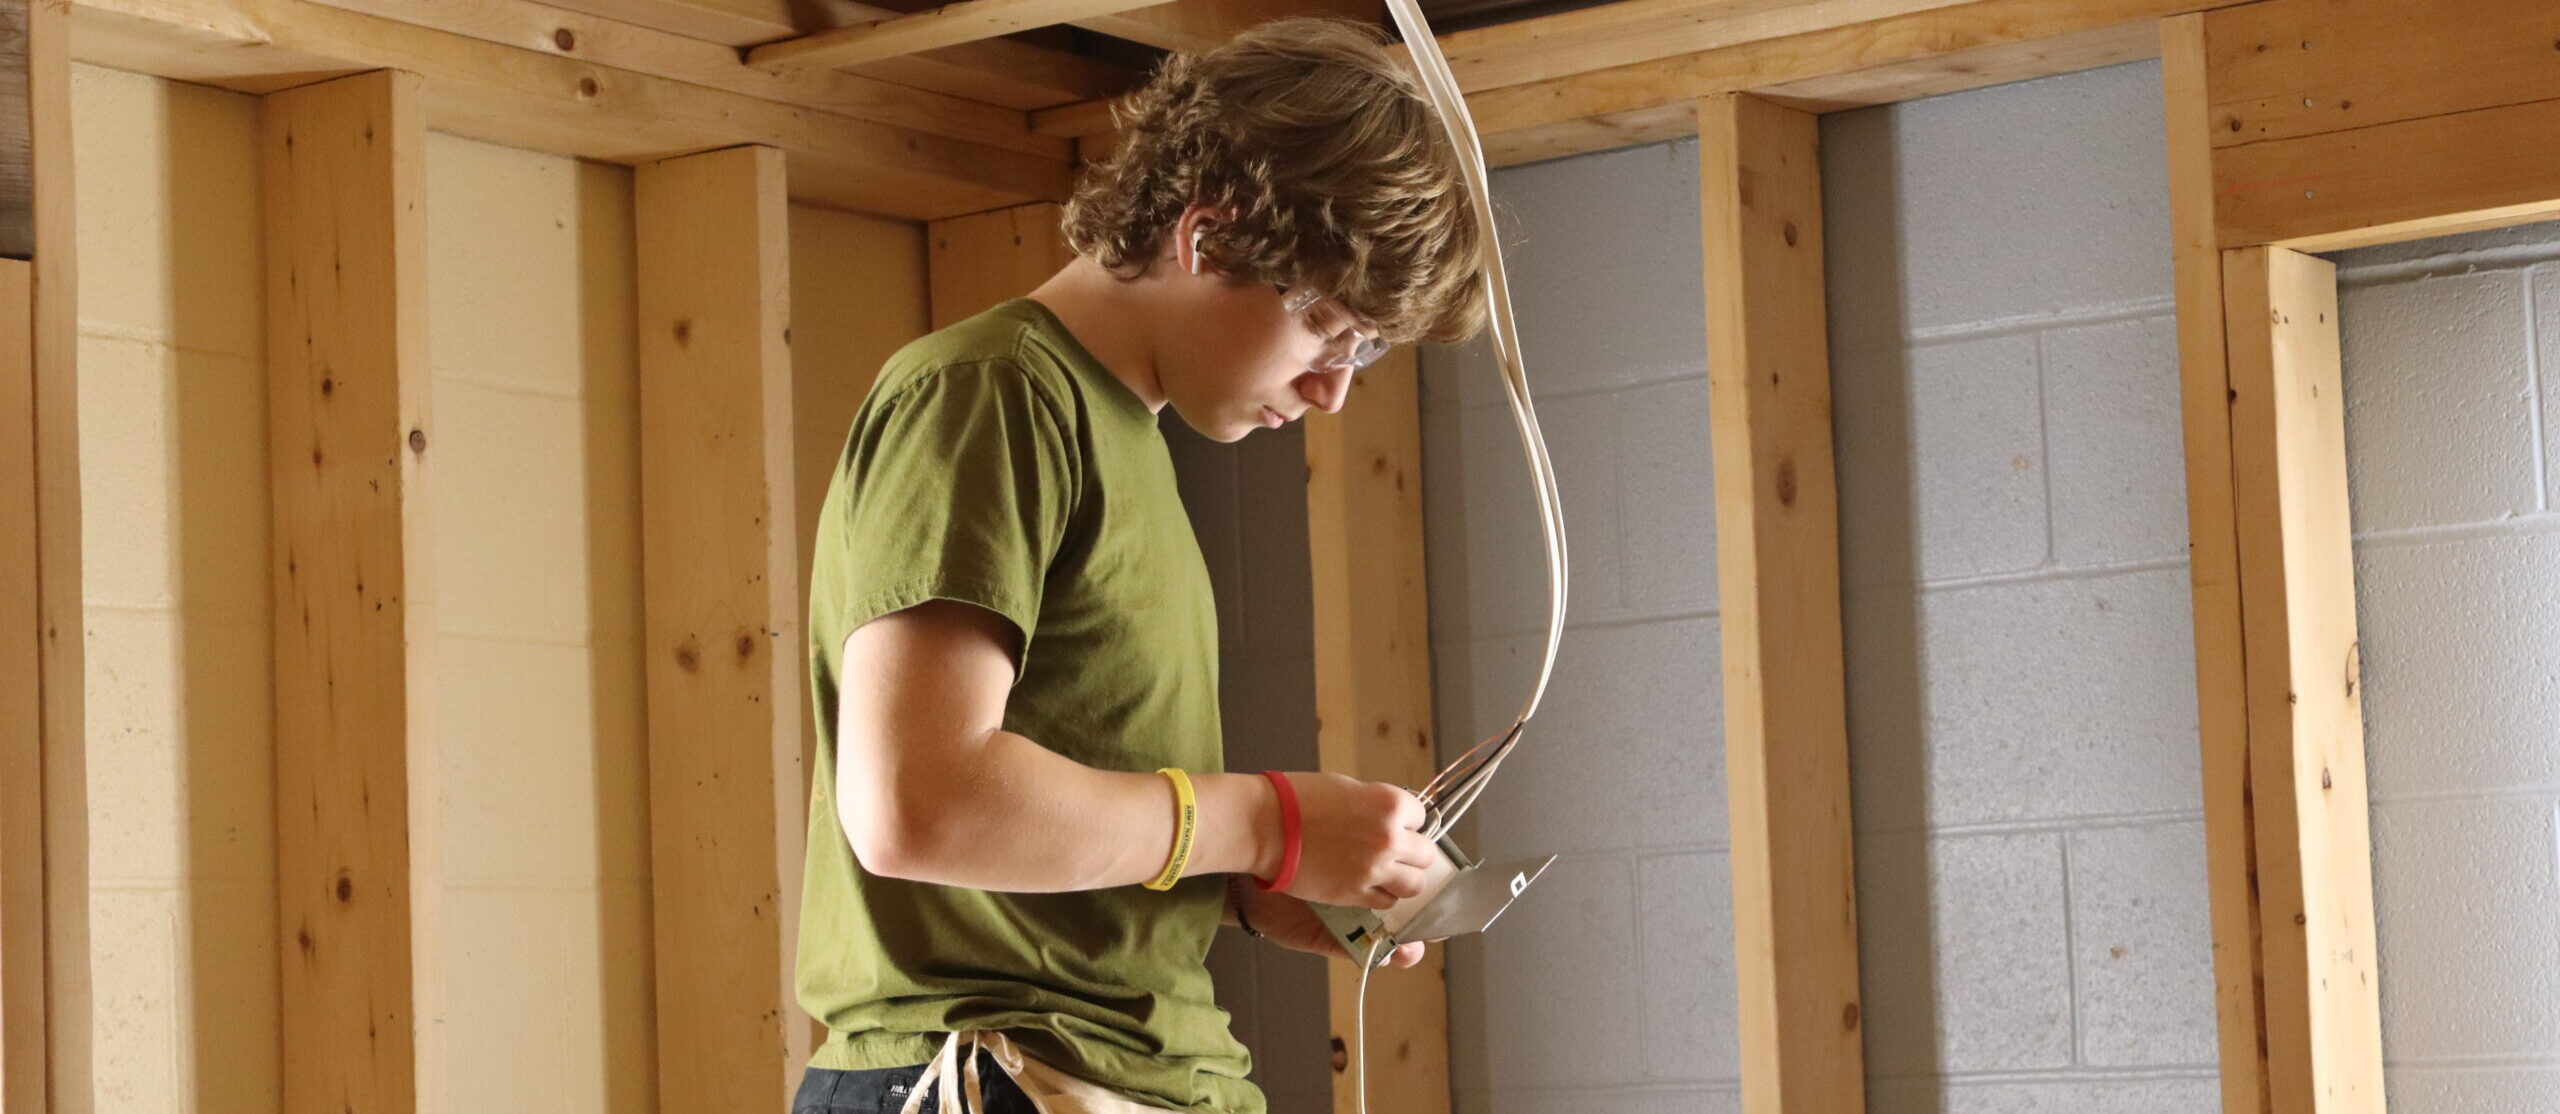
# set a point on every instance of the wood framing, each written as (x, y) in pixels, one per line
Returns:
(22, 798)
(1373, 693)
(2213, 574)
(2321, 1006)
(1786, 734)
(999, 72)
(564, 105)
(727, 789)
(1627, 32)
(1200, 24)
(976, 261)
(962, 22)
(349, 440)
(2337, 125)
(2302, 124)
(631, 46)
(1925, 49)
(45, 1022)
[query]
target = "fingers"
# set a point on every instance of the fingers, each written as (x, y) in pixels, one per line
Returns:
(1408, 955)
(1414, 851)
(1409, 813)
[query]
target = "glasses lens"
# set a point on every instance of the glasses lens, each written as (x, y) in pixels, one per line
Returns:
(1367, 352)
(1346, 348)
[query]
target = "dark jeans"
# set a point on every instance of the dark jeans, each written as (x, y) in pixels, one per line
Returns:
(884, 1090)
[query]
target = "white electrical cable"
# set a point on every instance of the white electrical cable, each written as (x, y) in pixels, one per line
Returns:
(1455, 789)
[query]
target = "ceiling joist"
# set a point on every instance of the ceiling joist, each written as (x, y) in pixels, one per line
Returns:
(930, 114)
(950, 25)
(632, 47)
(1927, 49)
(998, 71)
(543, 101)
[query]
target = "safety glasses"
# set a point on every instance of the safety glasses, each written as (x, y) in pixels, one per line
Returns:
(1348, 344)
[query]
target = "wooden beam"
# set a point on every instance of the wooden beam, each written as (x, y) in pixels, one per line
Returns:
(45, 1021)
(2430, 176)
(727, 788)
(2323, 1017)
(1778, 568)
(2213, 573)
(962, 22)
(2336, 125)
(2288, 68)
(344, 177)
(526, 98)
(976, 261)
(640, 49)
(1936, 50)
(1004, 72)
(1626, 32)
(1373, 692)
(22, 798)
(1016, 75)
(1201, 24)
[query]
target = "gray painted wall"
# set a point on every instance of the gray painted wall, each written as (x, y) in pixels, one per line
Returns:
(2022, 715)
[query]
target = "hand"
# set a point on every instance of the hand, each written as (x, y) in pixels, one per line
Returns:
(1361, 842)
(1286, 921)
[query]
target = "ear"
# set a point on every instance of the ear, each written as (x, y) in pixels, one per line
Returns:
(1187, 229)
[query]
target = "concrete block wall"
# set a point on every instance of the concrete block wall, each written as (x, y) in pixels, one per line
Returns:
(540, 747)
(2022, 718)
(2452, 348)
(174, 578)
(2021, 707)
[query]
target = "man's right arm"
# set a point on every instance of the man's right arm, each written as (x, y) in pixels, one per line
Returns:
(929, 787)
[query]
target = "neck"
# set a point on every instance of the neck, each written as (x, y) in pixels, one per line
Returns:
(1104, 314)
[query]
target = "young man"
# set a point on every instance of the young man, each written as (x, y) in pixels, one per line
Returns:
(1020, 843)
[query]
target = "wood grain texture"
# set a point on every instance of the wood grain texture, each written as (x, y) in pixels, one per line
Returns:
(1939, 49)
(2430, 176)
(1015, 75)
(2305, 685)
(949, 25)
(1778, 570)
(1627, 32)
(45, 1000)
(727, 787)
(22, 798)
(638, 48)
(2289, 68)
(563, 105)
(62, 660)
(2213, 570)
(976, 261)
(1373, 693)
(1201, 24)
(349, 442)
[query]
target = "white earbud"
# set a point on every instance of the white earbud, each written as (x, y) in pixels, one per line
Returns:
(1196, 230)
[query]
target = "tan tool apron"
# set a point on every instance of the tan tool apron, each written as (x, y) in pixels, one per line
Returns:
(954, 1072)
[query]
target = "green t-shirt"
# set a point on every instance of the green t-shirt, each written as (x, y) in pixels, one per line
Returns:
(997, 463)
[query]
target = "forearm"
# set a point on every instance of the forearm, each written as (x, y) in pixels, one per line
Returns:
(1011, 815)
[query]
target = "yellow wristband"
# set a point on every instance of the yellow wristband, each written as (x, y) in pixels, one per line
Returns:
(1186, 821)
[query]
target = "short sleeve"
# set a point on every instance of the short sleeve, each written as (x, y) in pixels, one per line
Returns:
(956, 487)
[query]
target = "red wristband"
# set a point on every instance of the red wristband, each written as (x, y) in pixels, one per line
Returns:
(1289, 832)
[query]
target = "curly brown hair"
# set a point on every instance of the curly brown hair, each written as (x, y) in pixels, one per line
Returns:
(1328, 159)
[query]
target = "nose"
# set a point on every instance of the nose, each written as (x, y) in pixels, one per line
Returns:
(1325, 390)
